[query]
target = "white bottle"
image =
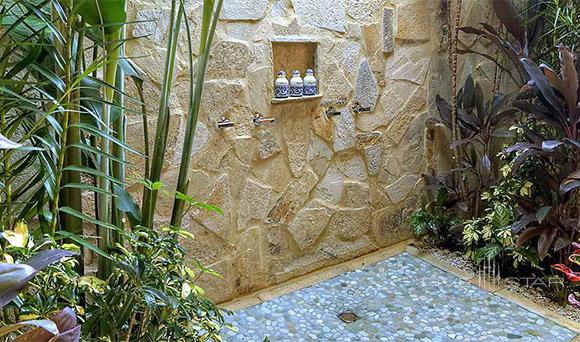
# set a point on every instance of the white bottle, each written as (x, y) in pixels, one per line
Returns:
(296, 85)
(310, 84)
(281, 86)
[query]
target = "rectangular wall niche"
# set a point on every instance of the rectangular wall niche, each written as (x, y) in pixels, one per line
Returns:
(294, 54)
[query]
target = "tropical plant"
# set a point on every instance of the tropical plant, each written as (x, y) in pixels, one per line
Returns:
(208, 27)
(521, 41)
(481, 124)
(560, 26)
(61, 327)
(62, 118)
(439, 215)
(552, 214)
(457, 195)
(571, 275)
(151, 295)
(51, 100)
(14, 277)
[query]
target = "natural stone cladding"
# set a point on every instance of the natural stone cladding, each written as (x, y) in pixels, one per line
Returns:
(307, 191)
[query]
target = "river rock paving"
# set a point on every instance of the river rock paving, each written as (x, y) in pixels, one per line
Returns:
(402, 298)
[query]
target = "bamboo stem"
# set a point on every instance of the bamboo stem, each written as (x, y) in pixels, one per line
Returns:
(73, 156)
(194, 105)
(65, 121)
(104, 199)
(150, 196)
(145, 132)
(119, 130)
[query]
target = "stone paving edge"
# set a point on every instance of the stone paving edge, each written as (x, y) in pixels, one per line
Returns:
(498, 290)
(315, 277)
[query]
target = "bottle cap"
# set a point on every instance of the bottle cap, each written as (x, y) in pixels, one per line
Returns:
(282, 73)
(296, 73)
(309, 72)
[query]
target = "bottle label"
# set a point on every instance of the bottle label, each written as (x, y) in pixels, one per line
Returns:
(281, 91)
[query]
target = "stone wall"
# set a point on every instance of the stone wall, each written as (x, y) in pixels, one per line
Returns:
(306, 191)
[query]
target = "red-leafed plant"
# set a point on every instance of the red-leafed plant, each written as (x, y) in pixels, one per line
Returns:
(62, 327)
(551, 101)
(571, 275)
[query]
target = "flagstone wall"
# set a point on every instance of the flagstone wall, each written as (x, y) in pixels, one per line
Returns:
(307, 191)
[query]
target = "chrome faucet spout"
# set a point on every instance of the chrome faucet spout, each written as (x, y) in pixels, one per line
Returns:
(259, 120)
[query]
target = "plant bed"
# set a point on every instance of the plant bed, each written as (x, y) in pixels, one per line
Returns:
(537, 294)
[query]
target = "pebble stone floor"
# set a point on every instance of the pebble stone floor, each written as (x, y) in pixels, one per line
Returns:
(402, 298)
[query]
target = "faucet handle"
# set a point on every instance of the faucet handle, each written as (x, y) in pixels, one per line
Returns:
(358, 108)
(223, 122)
(330, 112)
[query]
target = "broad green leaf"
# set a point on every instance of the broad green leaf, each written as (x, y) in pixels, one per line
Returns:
(109, 14)
(127, 204)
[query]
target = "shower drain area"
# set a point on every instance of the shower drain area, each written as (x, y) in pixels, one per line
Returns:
(348, 317)
(402, 298)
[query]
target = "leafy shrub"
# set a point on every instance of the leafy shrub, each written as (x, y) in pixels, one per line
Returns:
(437, 218)
(458, 195)
(490, 237)
(151, 294)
